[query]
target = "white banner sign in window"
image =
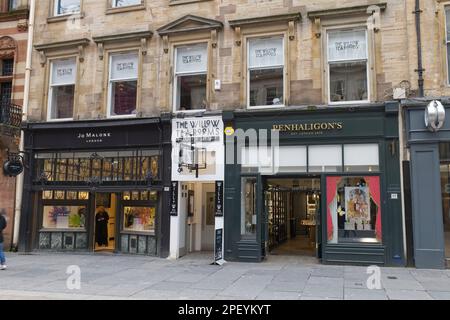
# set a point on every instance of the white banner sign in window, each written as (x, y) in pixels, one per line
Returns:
(347, 45)
(192, 58)
(64, 71)
(124, 66)
(266, 52)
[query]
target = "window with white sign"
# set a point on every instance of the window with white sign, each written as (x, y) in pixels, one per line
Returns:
(123, 80)
(63, 75)
(266, 72)
(348, 66)
(63, 7)
(191, 67)
(125, 3)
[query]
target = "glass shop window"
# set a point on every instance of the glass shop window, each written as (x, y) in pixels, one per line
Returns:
(290, 159)
(326, 158)
(354, 210)
(361, 158)
(191, 77)
(257, 159)
(63, 7)
(64, 217)
(347, 66)
(248, 208)
(125, 3)
(266, 72)
(137, 218)
(123, 81)
(61, 95)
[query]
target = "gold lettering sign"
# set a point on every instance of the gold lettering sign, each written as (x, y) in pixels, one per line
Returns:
(308, 127)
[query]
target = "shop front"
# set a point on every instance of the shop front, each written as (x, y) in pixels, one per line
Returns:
(429, 169)
(97, 186)
(197, 186)
(322, 183)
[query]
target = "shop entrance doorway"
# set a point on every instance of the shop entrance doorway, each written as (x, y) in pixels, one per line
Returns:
(105, 222)
(292, 208)
(198, 207)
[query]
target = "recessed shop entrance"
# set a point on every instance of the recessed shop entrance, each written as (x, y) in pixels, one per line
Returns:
(197, 209)
(292, 207)
(105, 222)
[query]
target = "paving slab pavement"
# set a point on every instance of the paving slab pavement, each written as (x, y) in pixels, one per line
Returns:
(110, 277)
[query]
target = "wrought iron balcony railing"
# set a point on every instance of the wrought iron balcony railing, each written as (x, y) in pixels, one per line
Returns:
(11, 115)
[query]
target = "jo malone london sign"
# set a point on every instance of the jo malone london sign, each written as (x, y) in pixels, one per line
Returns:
(94, 137)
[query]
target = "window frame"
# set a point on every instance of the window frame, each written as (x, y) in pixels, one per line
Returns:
(447, 42)
(248, 69)
(50, 88)
(358, 27)
(56, 7)
(110, 82)
(176, 74)
(113, 4)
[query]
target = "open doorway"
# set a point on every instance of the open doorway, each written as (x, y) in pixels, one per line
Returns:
(199, 207)
(105, 222)
(293, 211)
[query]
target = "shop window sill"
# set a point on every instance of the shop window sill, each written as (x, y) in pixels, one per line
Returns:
(125, 9)
(139, 233)
(65, 17)
(178, 2)
(63, 230)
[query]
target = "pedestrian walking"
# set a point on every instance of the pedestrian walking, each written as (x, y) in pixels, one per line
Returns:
(2, 227)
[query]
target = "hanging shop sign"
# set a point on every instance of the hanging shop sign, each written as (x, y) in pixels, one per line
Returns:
(198, 149)
(434, 116)
(219, 199)
(13, 167)
(174, 199)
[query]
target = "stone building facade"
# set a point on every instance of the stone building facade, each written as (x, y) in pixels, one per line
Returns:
(13, 50)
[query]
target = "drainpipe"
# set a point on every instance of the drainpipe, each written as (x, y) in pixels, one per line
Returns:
(420, 69)
(26, 95)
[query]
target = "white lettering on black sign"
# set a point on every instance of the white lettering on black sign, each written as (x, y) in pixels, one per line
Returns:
(91, 137)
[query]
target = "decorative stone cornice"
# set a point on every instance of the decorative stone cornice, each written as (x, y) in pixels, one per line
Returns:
(141, 36)
(266, 19)
(78, 44)
(337, 12)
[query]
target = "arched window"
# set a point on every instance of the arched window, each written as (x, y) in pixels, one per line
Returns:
(7, 57)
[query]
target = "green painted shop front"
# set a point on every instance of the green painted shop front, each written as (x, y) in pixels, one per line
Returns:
(332, 181)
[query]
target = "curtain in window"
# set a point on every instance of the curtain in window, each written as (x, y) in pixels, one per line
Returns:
(347, 45)
(332, 226)
(374, 186)
(266, 53)
(192, 59)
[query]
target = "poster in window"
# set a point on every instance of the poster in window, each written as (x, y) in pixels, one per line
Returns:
(357, 200)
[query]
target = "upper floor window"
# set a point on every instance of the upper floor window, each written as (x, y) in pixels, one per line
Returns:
(63, 73)
(63, 7)
(447, 40)
(347, 65)
(265, 72)
(125, 3)
(191, 77)
(123, 82)
(6, 67)
(13, 5)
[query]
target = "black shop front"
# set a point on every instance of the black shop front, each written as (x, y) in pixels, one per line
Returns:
(97, 186)
(318, 182)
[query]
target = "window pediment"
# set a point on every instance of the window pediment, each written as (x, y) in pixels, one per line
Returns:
(78, 45)
(189, 23)
(141, 36)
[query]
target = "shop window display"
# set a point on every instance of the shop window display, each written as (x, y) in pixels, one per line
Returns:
(139, 218)
(64, 217)
(354, 210)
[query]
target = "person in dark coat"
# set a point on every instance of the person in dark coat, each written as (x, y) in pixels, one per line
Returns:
(2, 227)
(101, 227)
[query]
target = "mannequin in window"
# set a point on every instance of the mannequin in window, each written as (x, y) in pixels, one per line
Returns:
(101, 227)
